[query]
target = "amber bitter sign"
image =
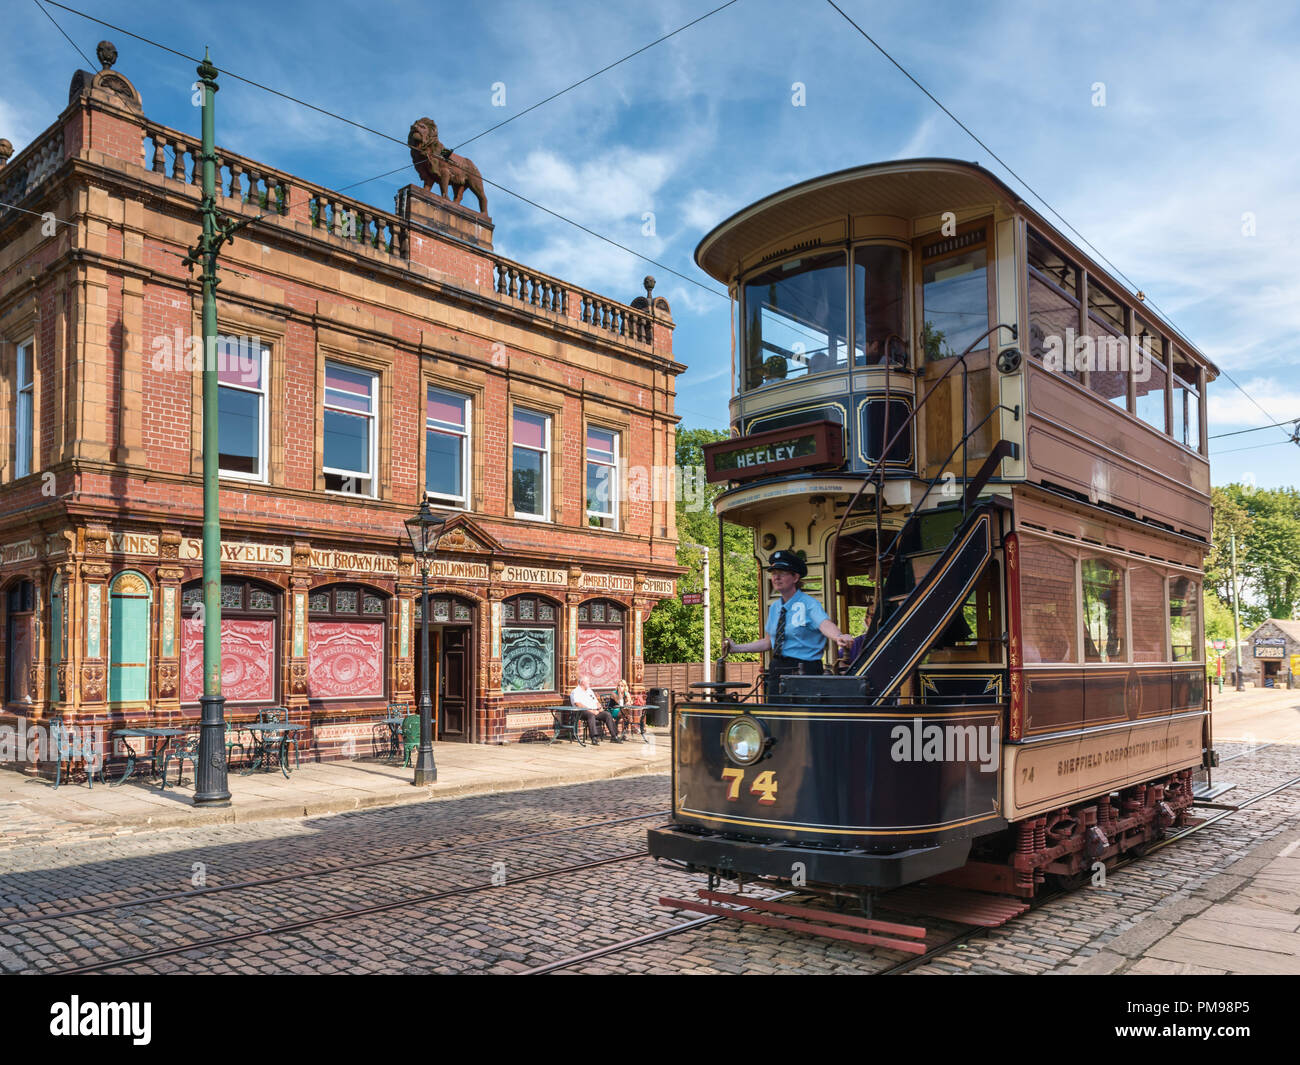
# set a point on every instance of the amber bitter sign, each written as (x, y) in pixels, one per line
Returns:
(776, 451)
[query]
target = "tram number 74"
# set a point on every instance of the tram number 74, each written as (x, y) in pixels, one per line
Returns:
(764, 785)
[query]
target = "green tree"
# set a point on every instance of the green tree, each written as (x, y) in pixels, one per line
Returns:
(1267, 526)
(674, 632)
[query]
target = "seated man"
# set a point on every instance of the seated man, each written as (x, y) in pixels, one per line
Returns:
(589, 703)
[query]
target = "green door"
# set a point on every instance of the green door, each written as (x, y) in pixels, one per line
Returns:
(128, 674)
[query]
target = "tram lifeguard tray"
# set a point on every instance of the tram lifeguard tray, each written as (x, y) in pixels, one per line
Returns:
(827, 688)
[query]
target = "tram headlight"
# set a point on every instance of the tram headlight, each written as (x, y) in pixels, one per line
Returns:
(744, 740)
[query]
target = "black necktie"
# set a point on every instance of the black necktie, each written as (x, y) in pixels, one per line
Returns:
(780, 632)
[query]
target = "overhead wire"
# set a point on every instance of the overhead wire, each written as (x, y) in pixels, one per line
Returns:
(403, 143)
(1037, 195)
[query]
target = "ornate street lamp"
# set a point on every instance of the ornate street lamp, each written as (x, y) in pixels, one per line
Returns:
(424, 530)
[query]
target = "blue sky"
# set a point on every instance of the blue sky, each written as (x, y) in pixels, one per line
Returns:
(1199, 128)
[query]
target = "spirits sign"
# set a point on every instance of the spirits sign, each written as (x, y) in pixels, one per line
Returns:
(798, 447)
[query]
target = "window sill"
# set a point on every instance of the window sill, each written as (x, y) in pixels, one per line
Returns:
(533, 517)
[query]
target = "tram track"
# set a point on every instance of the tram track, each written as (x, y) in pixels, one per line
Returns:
(341, 867)
(333, 916)
(907, 965)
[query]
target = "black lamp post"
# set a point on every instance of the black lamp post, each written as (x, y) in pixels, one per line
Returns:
(424, 530)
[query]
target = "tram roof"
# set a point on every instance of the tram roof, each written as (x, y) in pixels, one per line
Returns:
(902, 188)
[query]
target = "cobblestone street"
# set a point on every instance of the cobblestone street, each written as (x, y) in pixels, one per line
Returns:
(504, 883)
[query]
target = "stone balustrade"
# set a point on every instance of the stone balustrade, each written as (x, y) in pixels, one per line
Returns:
(29, 168)
(280, 196)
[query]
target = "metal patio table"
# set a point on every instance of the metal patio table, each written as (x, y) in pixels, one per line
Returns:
(624, 721)
(270, 737)
(566, 720)
(161, 738)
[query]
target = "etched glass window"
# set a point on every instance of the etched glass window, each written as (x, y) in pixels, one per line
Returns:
(528, 646)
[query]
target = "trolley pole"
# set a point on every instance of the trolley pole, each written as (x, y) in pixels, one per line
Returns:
(1236, 617)
(211, 787)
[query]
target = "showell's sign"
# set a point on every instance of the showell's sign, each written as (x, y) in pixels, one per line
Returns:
(798, 447)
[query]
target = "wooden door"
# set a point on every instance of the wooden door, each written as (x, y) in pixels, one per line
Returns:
(454, 694)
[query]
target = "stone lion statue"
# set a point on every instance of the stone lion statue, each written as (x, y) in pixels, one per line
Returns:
(452, 173)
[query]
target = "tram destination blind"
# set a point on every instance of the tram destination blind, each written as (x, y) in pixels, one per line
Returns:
(776, 451)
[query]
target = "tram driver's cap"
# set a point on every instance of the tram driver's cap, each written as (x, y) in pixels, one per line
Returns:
(788, 561)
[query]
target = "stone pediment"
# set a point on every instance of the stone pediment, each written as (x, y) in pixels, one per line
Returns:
(463, 536)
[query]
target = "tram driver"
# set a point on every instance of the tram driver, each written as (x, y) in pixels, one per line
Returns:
(797, 626)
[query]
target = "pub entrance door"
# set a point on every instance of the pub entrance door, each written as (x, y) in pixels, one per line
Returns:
(451, 656)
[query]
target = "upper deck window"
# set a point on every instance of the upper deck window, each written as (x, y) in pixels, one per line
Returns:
(796, 319)
(1187, 402)
(955, 294)
(1053, 307)
(1108, 359)
(880, 317)
(1149, 376)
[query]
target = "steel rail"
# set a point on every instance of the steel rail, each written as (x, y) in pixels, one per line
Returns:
(345, 867)
(335, 915)
(911, 963)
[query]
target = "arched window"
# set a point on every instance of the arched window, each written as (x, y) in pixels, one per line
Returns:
(250, 655)
(129, 597)
(345, 643)
(601, 628)
(20, 640)
(528, 640)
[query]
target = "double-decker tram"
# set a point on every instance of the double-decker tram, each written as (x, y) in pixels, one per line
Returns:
(991, 459)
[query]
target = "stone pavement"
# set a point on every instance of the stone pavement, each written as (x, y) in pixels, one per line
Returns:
(1245, 920)
(34, 813)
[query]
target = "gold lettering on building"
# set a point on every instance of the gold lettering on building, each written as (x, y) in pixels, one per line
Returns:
(608, 582)
(191, 550)
(131, 544)
(533, 575)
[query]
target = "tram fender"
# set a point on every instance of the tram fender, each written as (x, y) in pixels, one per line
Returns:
(708, 850)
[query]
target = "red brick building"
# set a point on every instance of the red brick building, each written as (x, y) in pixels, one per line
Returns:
(368, 358)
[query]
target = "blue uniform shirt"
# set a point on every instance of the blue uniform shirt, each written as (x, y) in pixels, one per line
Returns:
(803, 615)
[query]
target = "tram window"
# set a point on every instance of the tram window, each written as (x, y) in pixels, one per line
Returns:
(1185, 619)
(1146, 594)
(1053, 307)
(975, 632)
(955, 303)
(1151, 396)
(1048, 622)
(1105, 347)
(796, 319)
(1103, 611)
(880, 315)
(1187, 403)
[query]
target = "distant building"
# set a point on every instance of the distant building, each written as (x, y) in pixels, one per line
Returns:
(1266, 654)
(371, 359)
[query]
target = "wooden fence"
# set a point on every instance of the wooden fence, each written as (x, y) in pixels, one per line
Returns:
(679, 676)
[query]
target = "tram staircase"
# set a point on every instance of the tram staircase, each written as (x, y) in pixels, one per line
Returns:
(928, 571)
